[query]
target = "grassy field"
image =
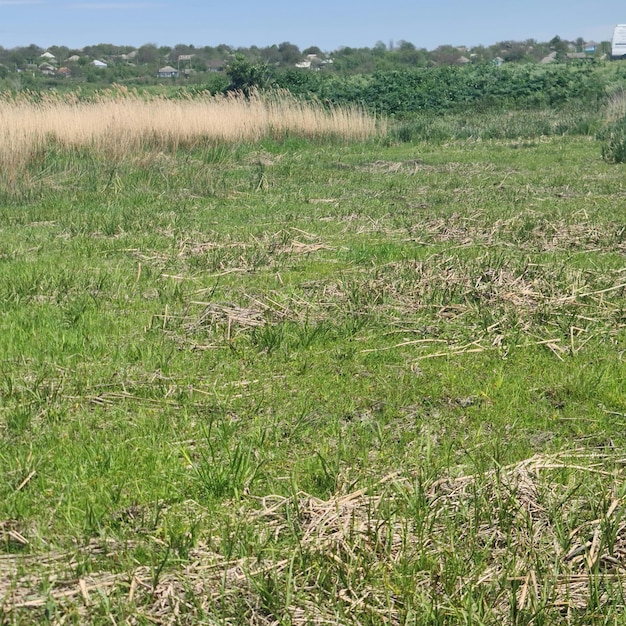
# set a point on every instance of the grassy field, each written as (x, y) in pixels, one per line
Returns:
(309, 380)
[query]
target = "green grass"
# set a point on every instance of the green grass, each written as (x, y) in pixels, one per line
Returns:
(289, 383)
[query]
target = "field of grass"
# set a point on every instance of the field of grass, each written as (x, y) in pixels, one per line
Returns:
(313, 381)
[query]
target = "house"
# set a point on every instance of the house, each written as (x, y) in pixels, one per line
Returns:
(167, 72)
(73, 59)
(46, 69)
(64, 72)
(100, 64)
(215, 66)
(551, 58)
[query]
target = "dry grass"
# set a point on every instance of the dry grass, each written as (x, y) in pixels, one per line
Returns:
(445, 304)
(519, 518)
(119, 122)
(528, 231)
(616, 106)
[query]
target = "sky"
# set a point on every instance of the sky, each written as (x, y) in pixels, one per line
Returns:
(328, 24)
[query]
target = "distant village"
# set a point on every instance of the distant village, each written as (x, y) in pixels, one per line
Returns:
(150, 64)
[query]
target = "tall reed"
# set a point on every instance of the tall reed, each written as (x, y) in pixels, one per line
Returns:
(118, 123)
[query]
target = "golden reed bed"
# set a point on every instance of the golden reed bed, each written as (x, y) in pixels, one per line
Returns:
(119, 122)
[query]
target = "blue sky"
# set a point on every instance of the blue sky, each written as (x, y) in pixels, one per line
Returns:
(324, 23)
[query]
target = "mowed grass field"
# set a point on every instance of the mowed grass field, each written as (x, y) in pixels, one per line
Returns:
(312, 379)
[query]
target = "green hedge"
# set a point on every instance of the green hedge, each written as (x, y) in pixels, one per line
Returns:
(453, 88)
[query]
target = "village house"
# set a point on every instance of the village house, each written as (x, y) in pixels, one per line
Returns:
(215, 66)
(167, 72)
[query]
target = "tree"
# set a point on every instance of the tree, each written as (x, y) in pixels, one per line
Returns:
(101, 50)
(60, 52)
(23, 56)
(271, 55)
(312, 50)
(379, 49)
(407, 54)
(289, 52)
(181, 49)
(512, 51)
(559, 46)
(445, 55)
(246, 76)
(148, 54)
(223, 49)
(164, 52)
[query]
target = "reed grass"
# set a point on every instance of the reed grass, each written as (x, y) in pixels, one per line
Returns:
(615, 108)
(119, 123)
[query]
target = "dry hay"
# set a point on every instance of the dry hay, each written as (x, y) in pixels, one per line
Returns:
(232, 315)
(488, 295)
(528, 550)
(203, 319)
(463, 285)
(528, 231)
(513, 517)
(451, 282)
(298, 247)
(415, 166)
(294, 247)
(343, 529)
(200, 248)
(264, 251)
(119, 122)
(411, 166)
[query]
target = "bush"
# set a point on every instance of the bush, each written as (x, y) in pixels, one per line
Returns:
(448, 88)
(614, 146)
(495, 124)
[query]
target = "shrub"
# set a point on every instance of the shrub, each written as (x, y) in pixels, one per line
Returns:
(614, 146)
(447, 88)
